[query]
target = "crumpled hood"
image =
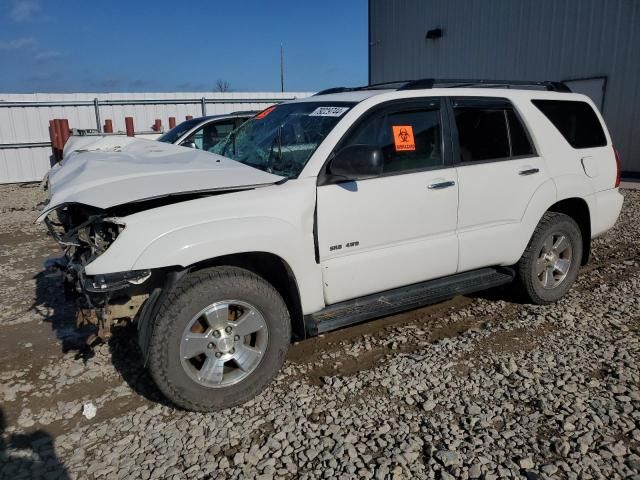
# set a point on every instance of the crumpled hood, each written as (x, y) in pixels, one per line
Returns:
(135, 170)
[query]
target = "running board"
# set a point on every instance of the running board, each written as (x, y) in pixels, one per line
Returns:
(400, 299)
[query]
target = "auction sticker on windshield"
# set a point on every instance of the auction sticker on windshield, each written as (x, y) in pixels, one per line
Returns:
(328, 111)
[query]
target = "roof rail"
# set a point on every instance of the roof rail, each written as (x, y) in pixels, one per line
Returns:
(374, 86)
(334, 90)
(425, 83)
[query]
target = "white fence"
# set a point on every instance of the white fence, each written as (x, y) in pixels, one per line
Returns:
(24, 119)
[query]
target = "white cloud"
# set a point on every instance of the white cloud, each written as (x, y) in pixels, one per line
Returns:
(45, 55)
(29, 48)
(25, 10)
(18, 43)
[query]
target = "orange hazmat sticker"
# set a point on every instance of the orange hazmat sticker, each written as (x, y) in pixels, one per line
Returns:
(403, 138)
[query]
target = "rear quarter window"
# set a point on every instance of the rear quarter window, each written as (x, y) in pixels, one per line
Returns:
(575, 120)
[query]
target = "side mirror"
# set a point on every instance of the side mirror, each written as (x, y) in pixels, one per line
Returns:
(188, 144)
(357, 162)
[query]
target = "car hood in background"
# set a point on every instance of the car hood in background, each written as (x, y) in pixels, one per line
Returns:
(134, 170)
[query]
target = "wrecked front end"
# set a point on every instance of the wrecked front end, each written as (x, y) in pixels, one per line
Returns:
(97, 188)
(85, 233)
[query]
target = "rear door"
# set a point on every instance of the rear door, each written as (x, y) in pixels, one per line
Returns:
(498, 173)
(399, 228)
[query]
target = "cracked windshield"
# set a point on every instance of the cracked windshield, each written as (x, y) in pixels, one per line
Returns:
(281, 139)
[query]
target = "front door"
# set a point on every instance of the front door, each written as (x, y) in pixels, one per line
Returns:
(399, 228)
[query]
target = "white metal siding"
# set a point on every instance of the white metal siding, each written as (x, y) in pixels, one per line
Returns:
(30, 124)
(513, 40)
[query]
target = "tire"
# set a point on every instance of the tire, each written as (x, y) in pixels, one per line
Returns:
(539, 288)
(185, 381)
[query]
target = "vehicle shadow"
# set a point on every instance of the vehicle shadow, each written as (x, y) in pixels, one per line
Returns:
(54, 308)
(128, 360)
(60, 313)
(507, 293)
(41, 462)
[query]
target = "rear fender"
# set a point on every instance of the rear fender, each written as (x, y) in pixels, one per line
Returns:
(541, 200)
(550, 193)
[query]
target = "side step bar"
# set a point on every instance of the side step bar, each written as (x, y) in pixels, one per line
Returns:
(400, 299)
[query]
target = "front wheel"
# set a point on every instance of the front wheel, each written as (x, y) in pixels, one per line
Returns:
(218, 339)
(550, 264)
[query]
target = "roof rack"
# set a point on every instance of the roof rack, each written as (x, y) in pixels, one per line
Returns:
(458, 83)
(427, 83)
(374, 86)
(334, 90)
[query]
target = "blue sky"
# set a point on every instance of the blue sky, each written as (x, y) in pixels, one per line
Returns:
(154, 46)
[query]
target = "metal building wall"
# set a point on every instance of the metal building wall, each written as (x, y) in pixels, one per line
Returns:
(523, 39)
(29, 124)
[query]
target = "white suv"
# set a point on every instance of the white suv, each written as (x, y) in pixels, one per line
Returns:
(331, 210)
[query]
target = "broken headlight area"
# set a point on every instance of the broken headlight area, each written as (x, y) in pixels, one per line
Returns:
(83, 232)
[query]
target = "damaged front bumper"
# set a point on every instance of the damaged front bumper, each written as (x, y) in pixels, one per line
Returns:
(102, 301)
(97, 289)
(107, 299)
(113, 282)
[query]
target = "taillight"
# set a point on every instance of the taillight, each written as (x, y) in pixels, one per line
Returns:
(618, 168)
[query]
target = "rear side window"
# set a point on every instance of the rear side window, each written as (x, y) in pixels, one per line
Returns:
(482, 134)
(576, 121)
(520, 143)
(489, 129)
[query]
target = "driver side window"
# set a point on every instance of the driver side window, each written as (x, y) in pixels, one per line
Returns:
(410, 137)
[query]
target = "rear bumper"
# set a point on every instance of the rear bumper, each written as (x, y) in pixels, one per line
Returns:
(605, 210)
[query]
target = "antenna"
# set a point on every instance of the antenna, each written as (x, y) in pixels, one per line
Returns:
(281, 69)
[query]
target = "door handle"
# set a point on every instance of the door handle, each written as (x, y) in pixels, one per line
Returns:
(441, 185)
(528, 171)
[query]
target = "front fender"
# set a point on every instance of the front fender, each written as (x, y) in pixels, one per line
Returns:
(277, 219)
(196, 243)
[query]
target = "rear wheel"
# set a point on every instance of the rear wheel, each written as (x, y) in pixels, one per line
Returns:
(550, 264)
(218, 339)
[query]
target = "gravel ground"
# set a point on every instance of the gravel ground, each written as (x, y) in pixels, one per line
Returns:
(476, 387)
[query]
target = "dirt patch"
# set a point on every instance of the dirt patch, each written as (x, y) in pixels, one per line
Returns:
(21, 197)
(431, 327)
(309, 350)
(10, 239)
(504, 342)
(510, 341)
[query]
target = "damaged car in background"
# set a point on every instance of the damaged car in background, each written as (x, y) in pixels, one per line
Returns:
(327, 211)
